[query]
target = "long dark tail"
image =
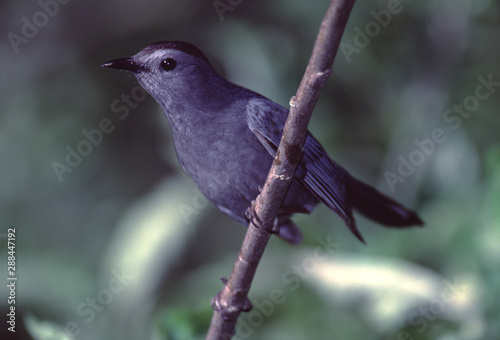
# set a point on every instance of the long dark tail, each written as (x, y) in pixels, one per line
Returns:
(378, 207)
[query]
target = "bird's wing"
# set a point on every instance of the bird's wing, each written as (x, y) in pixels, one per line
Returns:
(317, 173)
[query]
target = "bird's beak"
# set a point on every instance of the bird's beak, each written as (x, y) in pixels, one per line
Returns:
(126, 64)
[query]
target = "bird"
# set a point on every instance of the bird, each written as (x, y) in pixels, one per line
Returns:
(226, 136)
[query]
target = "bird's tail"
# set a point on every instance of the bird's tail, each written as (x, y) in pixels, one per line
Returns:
(378, 207)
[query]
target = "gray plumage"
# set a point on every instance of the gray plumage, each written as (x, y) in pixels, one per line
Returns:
(225, 137)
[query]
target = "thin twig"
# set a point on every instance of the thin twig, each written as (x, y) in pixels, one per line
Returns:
(232, 299)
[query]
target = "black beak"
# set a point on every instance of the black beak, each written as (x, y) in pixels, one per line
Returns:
(126, 64)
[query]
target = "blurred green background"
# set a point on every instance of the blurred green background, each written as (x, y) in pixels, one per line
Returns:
(117, 243)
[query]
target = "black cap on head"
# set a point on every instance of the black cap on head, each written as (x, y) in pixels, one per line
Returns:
(130, 65)
(177, 45)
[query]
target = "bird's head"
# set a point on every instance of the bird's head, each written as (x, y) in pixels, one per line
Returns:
(173, 72)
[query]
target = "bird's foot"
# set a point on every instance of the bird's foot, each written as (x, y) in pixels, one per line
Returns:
(252, 215)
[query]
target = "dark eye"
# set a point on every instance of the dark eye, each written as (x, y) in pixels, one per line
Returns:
(168, 64)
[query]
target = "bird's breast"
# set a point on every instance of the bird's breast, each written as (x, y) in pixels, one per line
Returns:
(224, 158)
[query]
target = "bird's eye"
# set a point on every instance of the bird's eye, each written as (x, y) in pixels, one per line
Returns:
(168, 64)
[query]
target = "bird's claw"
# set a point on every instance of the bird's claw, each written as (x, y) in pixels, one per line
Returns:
(252, 216)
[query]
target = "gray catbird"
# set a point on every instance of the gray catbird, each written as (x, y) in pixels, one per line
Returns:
(226, 137)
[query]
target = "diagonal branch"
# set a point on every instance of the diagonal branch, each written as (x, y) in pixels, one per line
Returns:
(232, 299)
